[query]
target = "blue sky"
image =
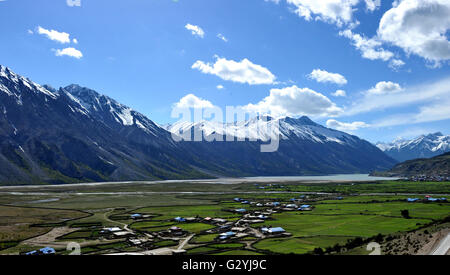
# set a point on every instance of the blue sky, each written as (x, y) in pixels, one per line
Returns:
(288, 56)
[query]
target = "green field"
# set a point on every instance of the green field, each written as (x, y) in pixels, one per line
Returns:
(366, 210)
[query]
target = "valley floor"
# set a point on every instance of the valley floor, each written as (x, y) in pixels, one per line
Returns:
(343, 217)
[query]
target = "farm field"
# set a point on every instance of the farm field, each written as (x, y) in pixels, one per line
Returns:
(338, 222)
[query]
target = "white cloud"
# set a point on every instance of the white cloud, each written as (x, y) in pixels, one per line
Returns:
(73, 3)
(324, 76)
(195, 30)
(295, 101)
(432, 112)
(221, 36)
(385, 87)
(338, 93)
(29, 31)
(192, 101)
(370, 48)
(372, 5)
(75, 41)
(243, 71)
(342, 126)
(396, 64)
(418, 27)
(338, 12)
(72, 52)
(220, 87)
(424, 94)
(61, 37)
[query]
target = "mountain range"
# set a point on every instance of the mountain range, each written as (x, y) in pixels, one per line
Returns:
(424, 146)
(74, 134)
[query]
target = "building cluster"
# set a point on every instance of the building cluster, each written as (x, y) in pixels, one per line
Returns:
(426, 199)
(434, 178)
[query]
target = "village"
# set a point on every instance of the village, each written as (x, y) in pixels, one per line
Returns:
(250, 221)
(226, 230)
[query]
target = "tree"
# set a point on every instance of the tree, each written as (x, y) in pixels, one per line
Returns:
(405, 214)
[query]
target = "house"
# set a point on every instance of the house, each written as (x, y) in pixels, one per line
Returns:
(276, 204)
(191, 219)
(412, 199)
(291, 206)
(109, 230)
(237, 199)
(273, 230)
(207, 219)
(122, 234)
(340, 198)
(239, 229)
(219, 220)
(305, 207)
(136, 216)
(226, 235)
(259, 205)
(43, 251)
(262, 217)
(240, 210)
(179, 219)
(245, 202)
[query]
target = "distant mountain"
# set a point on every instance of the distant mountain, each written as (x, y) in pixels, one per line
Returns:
(74, 134)
(425, 146)
(306, 148)
(436, 166)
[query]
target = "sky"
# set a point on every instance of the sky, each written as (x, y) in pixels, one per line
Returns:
(376, 69)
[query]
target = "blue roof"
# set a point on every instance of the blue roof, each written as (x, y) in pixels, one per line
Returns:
(230, 233)
(305, 206)
(241, 210)
(180, 219)
(432, 199)
(31, 252)
(136, 215)
(276, 203)
(276, 230)
(412, 199)
(47, 250)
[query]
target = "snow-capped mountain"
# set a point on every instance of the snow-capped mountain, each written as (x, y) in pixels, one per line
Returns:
(265, 128)
(74, 134)
(424, 146)
(305, 148)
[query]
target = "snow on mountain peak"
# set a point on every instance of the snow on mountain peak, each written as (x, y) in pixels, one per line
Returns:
(265, 128)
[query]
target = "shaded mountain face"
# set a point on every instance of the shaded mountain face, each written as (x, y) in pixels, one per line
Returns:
(436, 166)
(75, 134)
(57, 136)
(425, 146)
(306, 148)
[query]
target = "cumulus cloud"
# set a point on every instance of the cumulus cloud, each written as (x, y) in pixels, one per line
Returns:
(338, 93)
(195, 30)
(220, 87)
(418, 27)
(243, 71)
(295, 101)
(370, 48)
(192, 101)
(338, 12)
(61, 37)
(72, 52)
(385, 87)
(324, 77)
(73, 3)
(343, 126)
